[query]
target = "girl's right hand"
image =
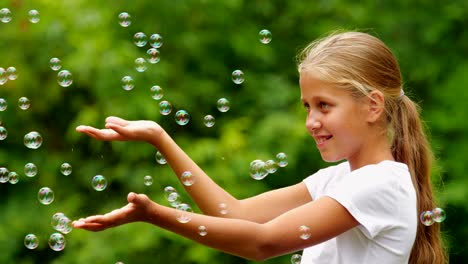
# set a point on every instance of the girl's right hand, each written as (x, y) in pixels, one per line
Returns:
(124, 130)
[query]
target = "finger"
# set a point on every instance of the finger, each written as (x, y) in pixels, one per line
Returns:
(117, 120)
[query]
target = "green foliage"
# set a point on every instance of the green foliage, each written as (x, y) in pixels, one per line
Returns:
(204, 41)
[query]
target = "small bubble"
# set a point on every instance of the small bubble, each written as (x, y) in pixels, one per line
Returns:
(57, 242)
(187, 178)
(223, 105)
(140, 64)
(33, 16)
(238, 76)
(12, 73)
(183, 214)
(64, 78)
(304, 232)
(125, 19)
(296, 258)
(165, 107)
(55, 64)
(3, 104)
(156, 92)
(182, 117)
(4, 175)
(202, 231)
(148, 180)
(160, 158)
(31, 241)
(24, 103)
(5, 15)
(282, 159)
(140, 39)
(14, 177)
(258, 170)
(66, 169)
(3, 133)
(168, 190)
(33, 140)
(271, 166)
(209, 121)
(438, 215)
(156, 41)
(3, 76)
(45, 195)
(30, 169)
(265, 36)
(99, 183)
(128, 83)
(426, 218)
(154, 55)
(223, 209)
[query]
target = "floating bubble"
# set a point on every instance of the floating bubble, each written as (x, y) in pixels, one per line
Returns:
(271, 166)
(238, 76)
(140, 64)
(265, 36)
(223, 105)
(3, 76)
(57, 242)
(172, 196)
(282, 159)
(30, 169)
(209, 121)
(202, 230)
(296, 258)
(156, 41)
(160, 158)
(438, 215)
(183, 215)
(99, 183)
(33, 140)
(61, 223)
(33, 16)
(140, 39)
(45, 195)
(223, 209)
(66, 168)
(5, 15)
(154, 56)
(258, 170)
(148, 180)
(304, 232)
(168, 190)
(128, 83)
(187, 178)
(182, 117)
(156, 92)
(426, 218)
(55, 64)
(64, 78)
(14, 177)
(24, 103)
(11, 73)
(3, 133)
(165, 107)
(125, 19)
(3, 105)
(31, 241)
(4, 175)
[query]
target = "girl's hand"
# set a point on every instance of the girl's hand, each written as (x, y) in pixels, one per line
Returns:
(120, 129)
(137, 209)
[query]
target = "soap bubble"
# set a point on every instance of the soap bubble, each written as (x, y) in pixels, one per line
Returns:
(160, 158)
(57, 242)
(202, 230)
(64, 78)
(438, 215)
(3, 76)
(140, 64)
(209, 121)
(3, 133)
(154, 55)
(31, 241)
(61, 223)
(14, 177)
(5, 15)
(183, 214)
(33, 140)
(426, 218)
(156, 92)
(30, 169)
(165, 107)
(223, 105)
(271, 166)
(128, 83)
(148, 180)
(258, 170)
(66, 169)
(238, 76)
(168, 190)
(223, 209)
(182, 117)
(3, 104)
(24, 103)
(265, 36)
(304, 232)
(172, 196)
(11, 73)
(140, 39)
(99, 183)
(187, 178)
(296, 258)
(4, 175)
(33, 16)
(156, 41)
(45, 195)
(125, 19)
(282, 159)
(55, 64)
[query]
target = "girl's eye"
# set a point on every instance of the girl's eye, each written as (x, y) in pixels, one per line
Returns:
(324, 106)
(306, 106)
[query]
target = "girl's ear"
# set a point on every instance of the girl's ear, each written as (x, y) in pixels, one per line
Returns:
(376, 106)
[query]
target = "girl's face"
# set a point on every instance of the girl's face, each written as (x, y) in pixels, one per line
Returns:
(336, 121)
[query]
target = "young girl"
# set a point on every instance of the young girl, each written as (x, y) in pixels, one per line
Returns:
(363, 210)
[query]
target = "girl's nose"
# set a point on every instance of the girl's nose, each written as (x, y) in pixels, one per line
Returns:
(312, 124)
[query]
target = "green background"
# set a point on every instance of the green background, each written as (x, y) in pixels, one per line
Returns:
(204, 41)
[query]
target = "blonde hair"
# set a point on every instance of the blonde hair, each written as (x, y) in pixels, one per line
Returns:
(360, 63)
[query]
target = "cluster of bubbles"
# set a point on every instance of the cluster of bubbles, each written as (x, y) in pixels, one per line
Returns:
(61, 223)
(428, 218)
(10, 74)
(259, 169)
(6, 16)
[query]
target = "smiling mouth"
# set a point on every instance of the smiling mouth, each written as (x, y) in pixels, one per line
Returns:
(321, 140)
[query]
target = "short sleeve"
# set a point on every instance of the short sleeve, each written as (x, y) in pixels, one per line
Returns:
(318, 182)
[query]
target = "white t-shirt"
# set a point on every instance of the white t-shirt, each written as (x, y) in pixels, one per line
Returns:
(382, 198)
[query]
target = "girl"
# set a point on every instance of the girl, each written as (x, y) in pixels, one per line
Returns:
(363, 210)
